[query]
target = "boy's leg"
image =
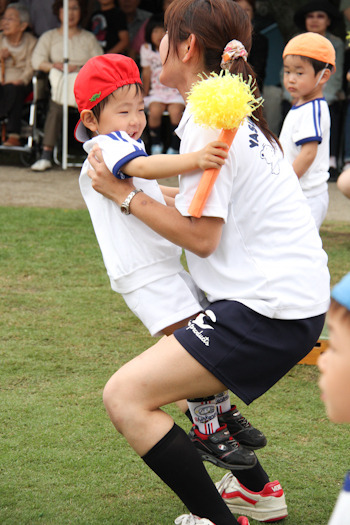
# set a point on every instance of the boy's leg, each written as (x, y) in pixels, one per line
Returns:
(161, 375)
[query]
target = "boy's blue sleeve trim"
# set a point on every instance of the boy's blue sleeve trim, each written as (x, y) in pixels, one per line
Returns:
(309, 139)
(117, 168)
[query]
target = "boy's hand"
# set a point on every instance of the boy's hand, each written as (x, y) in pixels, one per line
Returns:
(213, 155)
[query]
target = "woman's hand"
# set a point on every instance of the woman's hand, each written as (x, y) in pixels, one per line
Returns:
(104, 182)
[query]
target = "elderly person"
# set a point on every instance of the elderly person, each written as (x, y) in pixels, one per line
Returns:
(48, 57)
(16, 48)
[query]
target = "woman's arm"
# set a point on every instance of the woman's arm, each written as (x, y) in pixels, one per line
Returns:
(200, 236)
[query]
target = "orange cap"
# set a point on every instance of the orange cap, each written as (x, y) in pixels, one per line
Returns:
(311, 45)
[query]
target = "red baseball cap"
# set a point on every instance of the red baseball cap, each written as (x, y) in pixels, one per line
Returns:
(98, 78)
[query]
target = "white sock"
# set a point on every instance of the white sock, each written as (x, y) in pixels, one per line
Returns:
(204, 414)
(223, 403)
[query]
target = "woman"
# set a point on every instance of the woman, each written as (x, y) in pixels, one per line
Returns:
(48, 57)
(255, 252)
(16, 48)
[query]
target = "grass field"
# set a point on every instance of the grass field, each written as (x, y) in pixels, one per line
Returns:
(63, 333)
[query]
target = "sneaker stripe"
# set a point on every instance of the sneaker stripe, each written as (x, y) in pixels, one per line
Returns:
(238, 494)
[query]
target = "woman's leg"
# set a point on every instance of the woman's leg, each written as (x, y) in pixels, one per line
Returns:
(163, 374)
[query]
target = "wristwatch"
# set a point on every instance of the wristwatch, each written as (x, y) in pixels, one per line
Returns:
(125, 207)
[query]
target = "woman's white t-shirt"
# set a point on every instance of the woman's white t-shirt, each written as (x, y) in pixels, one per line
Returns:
(270, 256)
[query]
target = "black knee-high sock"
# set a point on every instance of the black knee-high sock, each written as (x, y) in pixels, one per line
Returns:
(253, 479)
(176, 461)
(188, 414)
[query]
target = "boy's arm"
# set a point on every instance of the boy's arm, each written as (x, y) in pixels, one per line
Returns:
(163, 166)
(305, 158)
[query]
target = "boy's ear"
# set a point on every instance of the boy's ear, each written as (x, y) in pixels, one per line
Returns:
(89, 120)
(325, 76)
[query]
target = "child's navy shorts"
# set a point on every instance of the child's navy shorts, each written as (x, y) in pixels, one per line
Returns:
(247, 351)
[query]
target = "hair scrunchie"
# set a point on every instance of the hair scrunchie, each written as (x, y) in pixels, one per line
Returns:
(233, 50)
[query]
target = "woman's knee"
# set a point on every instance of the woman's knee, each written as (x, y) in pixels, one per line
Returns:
(115, 395)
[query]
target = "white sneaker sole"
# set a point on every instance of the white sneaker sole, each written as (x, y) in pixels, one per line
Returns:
(257, 514)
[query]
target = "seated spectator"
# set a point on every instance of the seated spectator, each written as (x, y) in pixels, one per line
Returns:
(48, 57)
(260, 44)
(41, 15)
(320, 16)
(136, 20)
(109, 26)
(159, 98)
(16, 48)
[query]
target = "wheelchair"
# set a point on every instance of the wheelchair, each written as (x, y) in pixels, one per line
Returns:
(33, 118)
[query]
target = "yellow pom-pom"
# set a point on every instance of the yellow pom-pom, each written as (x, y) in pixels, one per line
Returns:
(222, 101)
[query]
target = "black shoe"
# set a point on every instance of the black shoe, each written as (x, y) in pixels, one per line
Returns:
(221, 449)
(241, 430)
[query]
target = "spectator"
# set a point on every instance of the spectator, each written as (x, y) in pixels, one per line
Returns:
(16, 48)
(41, 15)
(320, 16)
(48, 57)
(259, 50)
(159, 98)
(110, 28)
(136, 20)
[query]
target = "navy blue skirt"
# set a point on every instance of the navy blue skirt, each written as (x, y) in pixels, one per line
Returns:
(247, 351)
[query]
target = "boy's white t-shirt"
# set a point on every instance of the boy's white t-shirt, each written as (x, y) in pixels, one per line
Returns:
(270, 256)
(134, 255)
(309, 122)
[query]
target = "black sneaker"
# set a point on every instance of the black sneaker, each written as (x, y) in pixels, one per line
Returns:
(241, 430)
(221, 449)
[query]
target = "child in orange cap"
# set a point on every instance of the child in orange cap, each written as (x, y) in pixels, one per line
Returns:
(309, 60)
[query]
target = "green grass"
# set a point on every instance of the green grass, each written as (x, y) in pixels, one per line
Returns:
(63, 333)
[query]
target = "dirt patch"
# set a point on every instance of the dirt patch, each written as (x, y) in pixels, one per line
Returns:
(57, 188)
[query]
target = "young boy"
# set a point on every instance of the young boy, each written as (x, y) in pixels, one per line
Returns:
(334, 383)
(309, 60)
(155, 286)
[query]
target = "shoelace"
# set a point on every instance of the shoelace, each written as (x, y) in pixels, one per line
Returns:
(224, 483)
(242, 420)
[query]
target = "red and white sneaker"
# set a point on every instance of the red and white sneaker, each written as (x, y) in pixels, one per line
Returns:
(267, 505)
(191, 519)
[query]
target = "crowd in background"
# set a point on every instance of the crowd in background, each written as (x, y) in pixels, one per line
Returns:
(31, 38)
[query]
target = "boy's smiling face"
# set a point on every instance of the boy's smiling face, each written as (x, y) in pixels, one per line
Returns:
(334, 365)
(300, 79)
(124, 111)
